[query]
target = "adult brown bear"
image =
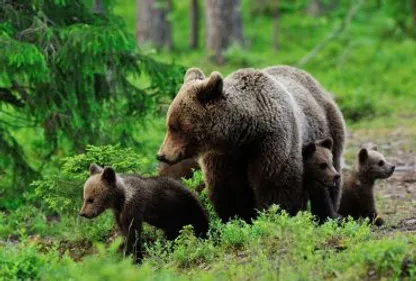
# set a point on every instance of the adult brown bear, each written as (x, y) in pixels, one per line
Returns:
(249, 129)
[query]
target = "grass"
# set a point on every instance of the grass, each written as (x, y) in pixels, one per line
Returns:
(274, 247)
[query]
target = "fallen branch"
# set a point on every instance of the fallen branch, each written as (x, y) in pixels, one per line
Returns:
(334, 34)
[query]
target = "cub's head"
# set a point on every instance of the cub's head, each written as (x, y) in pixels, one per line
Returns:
(189, 118)
(98, 191)
(317, 163)
(373, 164)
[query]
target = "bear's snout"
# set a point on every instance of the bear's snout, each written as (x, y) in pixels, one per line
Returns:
(162, 158)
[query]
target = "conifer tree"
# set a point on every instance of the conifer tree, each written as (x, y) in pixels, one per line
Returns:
(69, 72)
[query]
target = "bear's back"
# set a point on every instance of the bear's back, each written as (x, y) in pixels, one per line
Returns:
(163, 200)
(252, 93)
(316, 104)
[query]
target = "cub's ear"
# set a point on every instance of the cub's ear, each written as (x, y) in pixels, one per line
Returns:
(308, 150)
(374, 147)
(363, 155)
(109, 175)
(193, 74)
(211, 88)
(327, 143)
(95, 169)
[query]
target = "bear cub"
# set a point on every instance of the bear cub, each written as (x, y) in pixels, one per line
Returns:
(160, 201)
(319, 176)
(357, 198)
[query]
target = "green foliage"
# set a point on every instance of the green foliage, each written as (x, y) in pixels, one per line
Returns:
(74, 74)
(63, 192)
(400, 11)
(26, 220)
(274, 246)
(23, 262)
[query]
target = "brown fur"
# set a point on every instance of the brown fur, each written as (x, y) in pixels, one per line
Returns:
(160, 201)
(319, 177)
(183, 169)
(357, 198)
(249, 129)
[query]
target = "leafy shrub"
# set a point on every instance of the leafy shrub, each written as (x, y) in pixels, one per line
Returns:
(25, 220)
(358, 105)
(23, 262)
(63, 192)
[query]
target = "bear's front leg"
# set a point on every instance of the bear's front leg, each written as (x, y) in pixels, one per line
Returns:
(275, 173)
(132, 232)
(228, 186)
(321, 203)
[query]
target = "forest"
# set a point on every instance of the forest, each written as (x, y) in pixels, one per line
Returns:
(91, 81)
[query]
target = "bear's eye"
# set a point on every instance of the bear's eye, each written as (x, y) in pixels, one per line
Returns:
(173, 128)
(90, 200)
(323, 166)
(381, 163)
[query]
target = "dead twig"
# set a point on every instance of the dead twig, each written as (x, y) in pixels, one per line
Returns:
(334, 33)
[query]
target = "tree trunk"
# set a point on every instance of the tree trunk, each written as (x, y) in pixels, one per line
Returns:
(276, 16)
(194, 25)
(314, 8)
(221, 28)
(152, 25)
(237, 23)
(319, 7)
(414, 15)
(98, 7)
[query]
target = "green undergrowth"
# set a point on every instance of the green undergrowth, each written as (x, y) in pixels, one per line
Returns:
(274, 247)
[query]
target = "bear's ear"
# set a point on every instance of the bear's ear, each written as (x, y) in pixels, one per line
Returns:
(374, 147)
(211, 88)
(109, 175)
(95, 169)
(193, 74)
(308, 150)
(327, 143)
(363, 155)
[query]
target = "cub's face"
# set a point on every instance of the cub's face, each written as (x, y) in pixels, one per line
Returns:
(97, 192)
(188, 120)
(318, 165)
(374, 164)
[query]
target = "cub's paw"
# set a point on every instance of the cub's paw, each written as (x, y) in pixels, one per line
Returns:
(378, 221)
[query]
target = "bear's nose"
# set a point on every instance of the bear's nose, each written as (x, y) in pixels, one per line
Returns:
(393, 168)
(337, 177)
(81, 214)
(162, 158)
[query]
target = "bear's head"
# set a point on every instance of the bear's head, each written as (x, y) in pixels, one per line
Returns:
(189, 120)
(98, 191)
(317, 162)
(373, 164)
